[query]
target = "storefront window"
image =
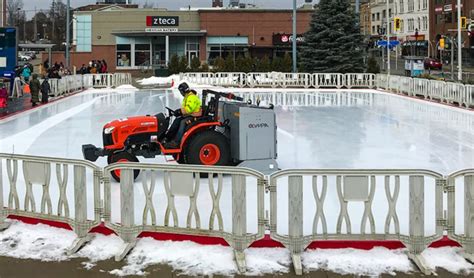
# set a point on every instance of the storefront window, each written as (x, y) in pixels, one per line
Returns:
(177, 46)
(142, 54)
(226, 50)
(123, 55)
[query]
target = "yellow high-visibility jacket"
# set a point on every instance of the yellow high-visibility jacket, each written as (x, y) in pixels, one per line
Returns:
(191, 104)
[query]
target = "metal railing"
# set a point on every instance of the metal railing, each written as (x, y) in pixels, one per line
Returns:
(445, 92)
(230, 203)
(282, 80)
(74, 83)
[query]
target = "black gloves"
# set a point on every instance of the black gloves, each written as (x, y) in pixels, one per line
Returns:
(178, 112)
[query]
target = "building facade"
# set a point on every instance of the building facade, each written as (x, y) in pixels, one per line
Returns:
(378, 19)
(443, 21)
(129, 38)
(414, 15)
(3, 14)
(365, 18)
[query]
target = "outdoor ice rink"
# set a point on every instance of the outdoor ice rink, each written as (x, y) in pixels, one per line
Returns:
(316, 129)
(332, 130)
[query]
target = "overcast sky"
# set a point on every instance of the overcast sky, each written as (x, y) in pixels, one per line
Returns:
(169, 4)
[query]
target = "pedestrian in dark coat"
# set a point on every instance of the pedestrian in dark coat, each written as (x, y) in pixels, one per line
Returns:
(45, 89)
(35, 87)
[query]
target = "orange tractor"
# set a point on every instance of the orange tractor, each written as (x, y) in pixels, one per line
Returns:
(216, 138)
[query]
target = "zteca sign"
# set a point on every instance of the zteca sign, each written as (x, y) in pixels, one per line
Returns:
(162, 21)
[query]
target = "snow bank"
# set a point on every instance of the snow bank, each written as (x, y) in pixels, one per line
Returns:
(126, 87)
(46, 243)
(39, 242)
(159, 80)
(357, 262)
(449, 258)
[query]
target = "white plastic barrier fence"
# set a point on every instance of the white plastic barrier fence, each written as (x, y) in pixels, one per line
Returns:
(296, 80)
(38, 187)
(186, 187)
(229, 79)
(405, 205)
(328, 80)
(359, 80)
(263, 79)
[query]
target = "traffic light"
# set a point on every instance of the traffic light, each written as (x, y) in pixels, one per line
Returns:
(398, 23)
(463, 22)
(441, 43)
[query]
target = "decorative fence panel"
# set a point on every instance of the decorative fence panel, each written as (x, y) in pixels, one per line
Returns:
(54, 189)
(376, 212)
(229, 203)
(185, 213)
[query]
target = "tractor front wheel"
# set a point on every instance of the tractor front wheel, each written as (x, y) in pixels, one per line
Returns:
(122, 157)
(208, 148)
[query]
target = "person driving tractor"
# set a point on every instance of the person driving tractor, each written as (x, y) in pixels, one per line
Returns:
(191, 107)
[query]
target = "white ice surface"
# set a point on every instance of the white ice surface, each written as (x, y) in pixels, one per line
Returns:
(388, 132)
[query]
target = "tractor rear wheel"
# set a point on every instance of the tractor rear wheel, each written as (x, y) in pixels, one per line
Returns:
(208, 148)
(122, 157)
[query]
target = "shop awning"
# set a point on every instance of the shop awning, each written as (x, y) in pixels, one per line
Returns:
(151, 33)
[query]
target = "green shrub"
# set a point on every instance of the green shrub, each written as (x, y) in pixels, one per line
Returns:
(195, 64)
(373, 66)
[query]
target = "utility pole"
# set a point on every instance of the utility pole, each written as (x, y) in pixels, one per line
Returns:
(459, 42)
(53, 7)
(294, 36)
(388, 37)
(67, 32)
(35, 37)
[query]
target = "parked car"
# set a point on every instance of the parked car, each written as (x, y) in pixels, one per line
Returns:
(32, 54)
(23, 57)
(433, 64)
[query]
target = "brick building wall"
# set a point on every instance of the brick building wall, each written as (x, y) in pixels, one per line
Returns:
(443, 20)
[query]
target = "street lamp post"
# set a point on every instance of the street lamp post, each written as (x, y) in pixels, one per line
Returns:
(387, 14)
(294, 36)
(67, 32)
(459, 42)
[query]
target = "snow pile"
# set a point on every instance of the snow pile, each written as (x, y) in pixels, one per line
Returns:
(187, 257)
(267, 260)
(193, 259)
(449, 258)
(357, 262)
(126, 87)
(47, 243)
(39, 242)
(165, 81)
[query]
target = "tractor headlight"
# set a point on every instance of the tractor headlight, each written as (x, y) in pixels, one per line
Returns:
(109, 130)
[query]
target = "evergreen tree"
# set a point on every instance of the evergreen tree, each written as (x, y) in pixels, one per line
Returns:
(195, 64)
(286, 63)
(373, 66)
(173, 65)
(229, 65)
(333, 42)
(276, 64)
(183, 64)
(264, 65)
(243, 64)
(204, 67)
(218, 65)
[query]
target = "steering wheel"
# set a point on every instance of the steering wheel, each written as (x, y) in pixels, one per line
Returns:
(170, 111)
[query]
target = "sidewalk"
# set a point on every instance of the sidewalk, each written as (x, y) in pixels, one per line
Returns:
(10, 267)
(16, 105)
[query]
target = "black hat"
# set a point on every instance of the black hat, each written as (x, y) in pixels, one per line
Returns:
(183, 88)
